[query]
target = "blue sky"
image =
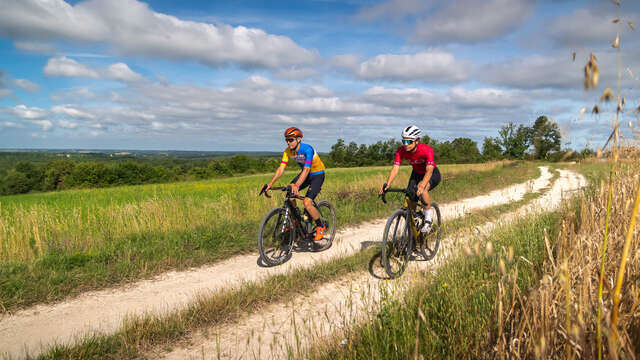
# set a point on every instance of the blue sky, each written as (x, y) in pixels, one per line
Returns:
(232, 75)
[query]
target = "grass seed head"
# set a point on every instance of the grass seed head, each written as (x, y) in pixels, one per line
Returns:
(489, 248)
(607, 95)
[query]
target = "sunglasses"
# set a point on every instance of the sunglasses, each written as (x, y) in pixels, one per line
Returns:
(290, 139)
(407, 142)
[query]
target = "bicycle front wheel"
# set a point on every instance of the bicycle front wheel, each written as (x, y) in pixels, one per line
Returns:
(328, 217)
(396, 244)
(430, 242)
(275, 238)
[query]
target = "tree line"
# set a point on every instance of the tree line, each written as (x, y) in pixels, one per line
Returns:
(541, 141)
(61, 174)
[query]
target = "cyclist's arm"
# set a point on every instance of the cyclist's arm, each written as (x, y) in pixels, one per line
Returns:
(277, 175)
(280, 170)
(392, 175)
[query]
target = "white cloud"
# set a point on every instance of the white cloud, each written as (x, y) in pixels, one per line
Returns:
(463, 21)
(67, 67)
(405, 97)
(10, 124)
(427, 66)
(35, 46)
(72, 111)
(120, 71)
(4, 92)
(67, 124)
(487, 97)
(27, 85)
(29, 113)
(471, 21)
(64, 66)
(535, 71)
(46, 124)
(74, 94)
(296, 73)
(345, 61)
(133, 28)
(590, 26)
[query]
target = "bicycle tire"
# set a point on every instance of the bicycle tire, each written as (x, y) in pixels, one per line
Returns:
(429, 244)
(280, 241)
(328, 216)
(396, 249)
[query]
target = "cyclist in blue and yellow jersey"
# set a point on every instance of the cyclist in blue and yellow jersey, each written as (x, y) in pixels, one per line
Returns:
(312, 174)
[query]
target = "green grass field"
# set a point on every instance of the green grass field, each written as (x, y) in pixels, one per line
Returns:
(59, 244)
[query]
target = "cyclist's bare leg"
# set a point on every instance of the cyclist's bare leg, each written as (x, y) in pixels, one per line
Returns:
(308, 204)
(426, 198)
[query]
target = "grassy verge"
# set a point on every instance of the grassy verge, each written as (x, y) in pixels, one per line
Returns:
(80, 240)
(141, 334)
(449, 314)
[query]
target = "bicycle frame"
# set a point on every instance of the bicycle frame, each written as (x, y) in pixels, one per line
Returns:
(410, 205)
(289, 210)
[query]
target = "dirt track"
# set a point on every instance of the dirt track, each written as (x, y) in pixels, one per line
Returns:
(27, 331)
(291, 327)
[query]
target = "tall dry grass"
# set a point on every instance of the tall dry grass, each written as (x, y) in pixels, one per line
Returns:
(559, 318)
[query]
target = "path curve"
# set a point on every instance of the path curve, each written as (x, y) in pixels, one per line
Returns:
(32, 330)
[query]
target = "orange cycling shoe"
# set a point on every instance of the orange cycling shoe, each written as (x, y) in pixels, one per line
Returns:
(319, 233)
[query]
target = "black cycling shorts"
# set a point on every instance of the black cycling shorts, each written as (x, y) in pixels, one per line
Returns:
(416, 178)
(314, 182)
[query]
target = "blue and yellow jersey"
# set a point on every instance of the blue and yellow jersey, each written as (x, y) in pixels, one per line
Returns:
(306, 156)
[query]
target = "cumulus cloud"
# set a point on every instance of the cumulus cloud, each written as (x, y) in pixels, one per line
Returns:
(487, 97)
(534, 71)
(45, 124)
(296, 73)
(589, 26)
(71, 111)
(345, 61)
(404, 97)
(120, 71)
(67, 124)
(427, 66)
(27, 85)
(66, 67)
(74, 94)
(29, 113)
(462, 21)
(145, 32)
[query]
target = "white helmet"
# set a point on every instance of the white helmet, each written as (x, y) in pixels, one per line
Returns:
(412, 132)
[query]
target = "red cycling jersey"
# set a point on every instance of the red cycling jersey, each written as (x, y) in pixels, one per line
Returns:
(419, 159)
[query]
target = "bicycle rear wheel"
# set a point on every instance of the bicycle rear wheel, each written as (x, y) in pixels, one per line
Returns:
(396, 244)
(275, 238)
(328, 217)
(429, 243)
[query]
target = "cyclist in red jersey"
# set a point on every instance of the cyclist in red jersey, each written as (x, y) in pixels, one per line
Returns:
(425, 175)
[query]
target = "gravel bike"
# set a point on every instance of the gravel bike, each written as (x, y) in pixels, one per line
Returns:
(402, 234)
(284, 229)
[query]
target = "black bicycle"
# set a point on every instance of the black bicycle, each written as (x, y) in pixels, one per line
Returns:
(402, 234)
(284, 229)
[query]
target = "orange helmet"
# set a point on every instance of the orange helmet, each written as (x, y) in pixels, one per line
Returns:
(293, 132)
